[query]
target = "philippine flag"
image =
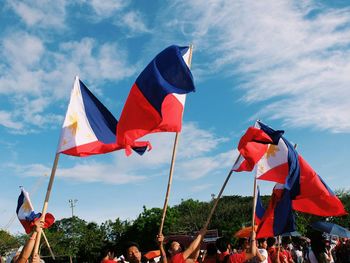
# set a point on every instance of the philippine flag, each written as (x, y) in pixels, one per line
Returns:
(156, 100)
(26, 214)
(277, 160)
(89, 127)
(278, 217)
(260, 210)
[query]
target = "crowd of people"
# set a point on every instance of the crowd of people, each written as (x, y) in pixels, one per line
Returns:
(316, 249)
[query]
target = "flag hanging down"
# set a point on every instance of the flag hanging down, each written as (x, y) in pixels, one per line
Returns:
(315, 195)
(277, 160)
(278, 217)
(156, 100)
(26, 214)
(260, 210)
(89, 127)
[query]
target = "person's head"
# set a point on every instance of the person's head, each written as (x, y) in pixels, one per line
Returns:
(132, 252)
(173, 247)
(243, 243)
(108, 252)
(211, 249)
(271, 241)
(222, 244)
(262, 243)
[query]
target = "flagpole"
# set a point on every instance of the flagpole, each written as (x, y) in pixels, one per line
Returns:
(254, 195)
(254, 203)
(173, 158)
(48, 192)
(220, 193)
(48, 246)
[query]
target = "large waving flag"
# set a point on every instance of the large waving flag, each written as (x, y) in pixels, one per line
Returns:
(278, 217)
(26, 214)
(277, 160)
(89, 128)
(156, 100)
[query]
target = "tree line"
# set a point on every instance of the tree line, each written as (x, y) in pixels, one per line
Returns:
(84, 241)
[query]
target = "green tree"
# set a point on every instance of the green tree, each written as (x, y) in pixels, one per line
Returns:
(7, 242)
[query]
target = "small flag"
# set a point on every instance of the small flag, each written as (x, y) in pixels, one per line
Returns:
(156, 100)
(89, 128)
(26, 214)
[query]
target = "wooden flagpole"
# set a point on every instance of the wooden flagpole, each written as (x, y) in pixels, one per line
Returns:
(48, 246)
(48, 192)
(220, 193)
(166, 200)
(254, 203)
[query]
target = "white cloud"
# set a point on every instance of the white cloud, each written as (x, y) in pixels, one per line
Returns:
(295, 53)
(6, 120)
(133, 22)
(134, 169)
(107, 7)
(34, 78)
(40, 13)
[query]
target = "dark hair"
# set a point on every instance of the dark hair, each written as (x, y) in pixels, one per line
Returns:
(109, 247)
(271, 241)
(261, 240)
(211, 249)
(168, 245)
(222, 244)
(128, 245)
(241, 242)
(317, 244)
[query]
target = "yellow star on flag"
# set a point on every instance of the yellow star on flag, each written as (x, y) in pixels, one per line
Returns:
(73, 127)
(272, 150)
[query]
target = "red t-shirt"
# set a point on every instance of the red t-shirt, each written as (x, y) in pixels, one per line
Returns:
(178, 258)
(222, 256)
(108, 261)
(285, 255)
(238, 257)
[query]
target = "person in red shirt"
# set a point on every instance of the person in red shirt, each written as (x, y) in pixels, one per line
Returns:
(108, 255)
(210, 254)
(272, 250)
(223, 246)
(248, 251)
(178, 255)
(132, 252)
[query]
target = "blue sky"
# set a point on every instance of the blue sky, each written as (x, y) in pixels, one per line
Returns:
(284, 62)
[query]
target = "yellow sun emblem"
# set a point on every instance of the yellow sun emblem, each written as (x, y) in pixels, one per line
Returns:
(73, 127)
(271, 151)
(26, 206)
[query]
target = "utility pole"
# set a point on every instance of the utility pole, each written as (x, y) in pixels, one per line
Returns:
(72, 204)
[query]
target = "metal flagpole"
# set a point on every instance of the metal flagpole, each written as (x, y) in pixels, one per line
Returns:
(172, 162)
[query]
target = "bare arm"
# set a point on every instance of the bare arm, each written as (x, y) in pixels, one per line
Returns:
(259, 256)
(253, 249)
(195, 244)
(160, 239)
(28, 247)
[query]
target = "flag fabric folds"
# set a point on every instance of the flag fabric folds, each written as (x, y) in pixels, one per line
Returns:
(26, 214)
(156, 100)
(278, 217)
(260, 210)
(89, 128)
(277, 160)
